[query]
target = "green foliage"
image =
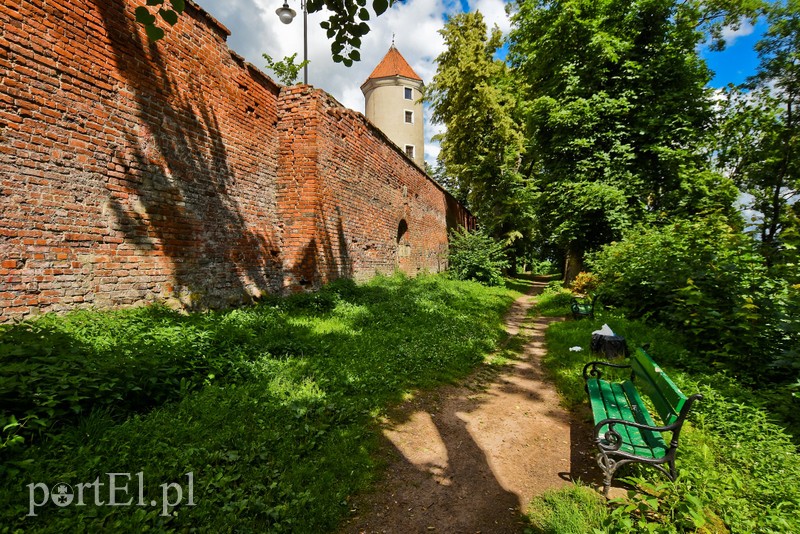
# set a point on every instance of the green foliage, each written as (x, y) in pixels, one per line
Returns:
(703, 277)
(573, 510)
(554, 301)
(145, 17)
(56, 369)
(660, 507)
(537, 266)
(758, 138)
(779, 48)
(740, 463)
(585, 284)
(271, 407)
(345, 26)
(476, 256)
(286, 70)
(475, 96)
(715, 18)
(618, 114)
(758, 149)
(739, 470)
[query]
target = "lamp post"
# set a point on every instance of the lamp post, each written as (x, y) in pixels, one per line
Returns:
(287, 14)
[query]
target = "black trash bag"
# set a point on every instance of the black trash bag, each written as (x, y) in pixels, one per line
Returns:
(611, 346)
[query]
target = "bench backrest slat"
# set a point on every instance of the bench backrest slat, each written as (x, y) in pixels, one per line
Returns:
(652, 381)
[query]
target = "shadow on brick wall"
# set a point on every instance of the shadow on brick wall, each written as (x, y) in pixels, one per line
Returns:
(182, 202)
(334, 248)
(324, 258)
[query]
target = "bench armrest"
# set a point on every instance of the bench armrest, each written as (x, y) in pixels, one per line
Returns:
(594, 372)
(615, 440)
(611, 422)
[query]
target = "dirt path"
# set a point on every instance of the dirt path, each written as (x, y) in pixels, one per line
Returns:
(468, 458)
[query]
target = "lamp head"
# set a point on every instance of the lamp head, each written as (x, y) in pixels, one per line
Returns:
(286, 13)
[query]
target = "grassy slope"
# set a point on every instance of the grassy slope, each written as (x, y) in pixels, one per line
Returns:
(270, 407)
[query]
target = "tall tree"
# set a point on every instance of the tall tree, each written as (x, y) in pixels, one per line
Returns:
(758, 144)
(760, 135)
(475, 97)
(620, 114)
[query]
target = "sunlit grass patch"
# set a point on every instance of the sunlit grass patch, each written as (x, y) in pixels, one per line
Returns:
(575, 509)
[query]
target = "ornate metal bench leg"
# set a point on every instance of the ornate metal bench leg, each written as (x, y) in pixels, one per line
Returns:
(673, 471)
(608, 466)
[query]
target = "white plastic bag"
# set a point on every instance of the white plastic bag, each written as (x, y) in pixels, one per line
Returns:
(604, 331)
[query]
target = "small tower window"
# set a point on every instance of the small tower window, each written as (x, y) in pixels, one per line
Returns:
(409, 117)
(408, 94)
(410, 151)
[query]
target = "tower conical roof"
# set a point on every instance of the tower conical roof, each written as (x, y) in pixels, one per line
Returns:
(393, 64)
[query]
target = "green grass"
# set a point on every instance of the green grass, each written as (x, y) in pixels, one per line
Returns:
(573, 510)
(740, 471)
(520, 285)
(272, 408)
(554, 301)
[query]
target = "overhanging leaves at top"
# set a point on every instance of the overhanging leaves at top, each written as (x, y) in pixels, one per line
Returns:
(345, 25)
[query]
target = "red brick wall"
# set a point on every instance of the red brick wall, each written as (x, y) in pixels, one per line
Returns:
(366, 190)
(133, 172)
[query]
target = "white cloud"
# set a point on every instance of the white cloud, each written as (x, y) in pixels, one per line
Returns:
(494, 12)
(255, 29)
(730, 35)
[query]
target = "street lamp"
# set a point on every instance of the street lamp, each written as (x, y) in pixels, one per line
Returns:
(287, 14)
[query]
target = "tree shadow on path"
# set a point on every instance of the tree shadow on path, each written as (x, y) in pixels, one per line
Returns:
(468, 458)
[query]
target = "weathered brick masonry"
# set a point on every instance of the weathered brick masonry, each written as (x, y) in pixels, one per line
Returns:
(132, 172)
(370, 209)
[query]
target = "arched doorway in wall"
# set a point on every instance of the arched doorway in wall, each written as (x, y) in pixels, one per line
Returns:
(403, 247)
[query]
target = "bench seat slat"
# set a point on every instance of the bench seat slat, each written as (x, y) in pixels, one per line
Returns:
(654, 440)
(612, 405)
(624, 410)
(612, 401)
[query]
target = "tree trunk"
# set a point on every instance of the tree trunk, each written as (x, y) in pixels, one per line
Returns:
(573, 265)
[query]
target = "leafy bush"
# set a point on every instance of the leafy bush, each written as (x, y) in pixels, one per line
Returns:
(543, 267)
(55, 369)
(704, 278)
(476, 256)
(584, 283)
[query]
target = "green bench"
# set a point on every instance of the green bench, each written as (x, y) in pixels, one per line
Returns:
(624, 430)
(583, 307)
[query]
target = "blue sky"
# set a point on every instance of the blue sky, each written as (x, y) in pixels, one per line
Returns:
(738, 60)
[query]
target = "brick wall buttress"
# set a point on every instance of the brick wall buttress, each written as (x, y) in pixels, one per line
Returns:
(131, 172)
(365, 207)
(298, 188)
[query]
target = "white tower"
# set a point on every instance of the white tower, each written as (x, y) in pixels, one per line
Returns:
(392, 96)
